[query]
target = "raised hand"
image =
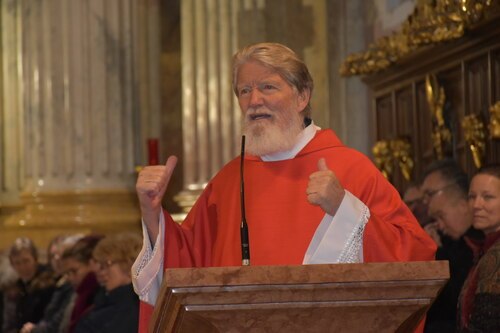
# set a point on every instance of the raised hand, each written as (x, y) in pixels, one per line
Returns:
(324, 189)
(151, 186)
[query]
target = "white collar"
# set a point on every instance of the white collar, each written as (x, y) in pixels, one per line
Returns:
(303, 139)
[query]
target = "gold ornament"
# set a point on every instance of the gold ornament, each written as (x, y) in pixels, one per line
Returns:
(436, 98)
(494, 125)
(383, 157)
(402, 153)
(431, 22)
(475, 137)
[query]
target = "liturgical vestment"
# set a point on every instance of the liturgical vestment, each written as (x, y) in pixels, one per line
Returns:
(281, 221)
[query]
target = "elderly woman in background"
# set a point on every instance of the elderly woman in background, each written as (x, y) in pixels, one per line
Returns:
(479, 303)
(119, 310)
(36, 282)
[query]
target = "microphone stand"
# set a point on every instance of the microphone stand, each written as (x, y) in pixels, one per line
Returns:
(245, 244)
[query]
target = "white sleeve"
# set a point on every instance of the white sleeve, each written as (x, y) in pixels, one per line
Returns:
(147, 270)
(339, 238)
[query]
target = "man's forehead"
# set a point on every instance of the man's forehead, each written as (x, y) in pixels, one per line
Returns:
(253, 71)
(432, 181)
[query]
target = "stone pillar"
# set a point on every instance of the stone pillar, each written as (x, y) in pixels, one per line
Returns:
(211, 117)
(75, 114)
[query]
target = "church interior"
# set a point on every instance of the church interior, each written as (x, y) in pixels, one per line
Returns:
(93, 90)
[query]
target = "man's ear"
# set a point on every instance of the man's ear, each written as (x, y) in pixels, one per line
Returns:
(303, 99)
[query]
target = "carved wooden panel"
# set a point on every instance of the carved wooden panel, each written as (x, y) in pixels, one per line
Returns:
(384, 117)
(468, 69)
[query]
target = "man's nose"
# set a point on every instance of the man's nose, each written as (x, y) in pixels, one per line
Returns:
(255, 98)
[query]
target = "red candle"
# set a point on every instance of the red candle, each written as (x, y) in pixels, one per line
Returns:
(153, 151)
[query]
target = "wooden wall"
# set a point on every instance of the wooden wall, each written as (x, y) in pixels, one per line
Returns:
(469, 71)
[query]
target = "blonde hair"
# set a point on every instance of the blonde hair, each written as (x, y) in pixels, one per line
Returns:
(281, 59)
(122, 248)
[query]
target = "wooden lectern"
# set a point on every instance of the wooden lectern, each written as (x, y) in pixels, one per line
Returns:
(371, 297)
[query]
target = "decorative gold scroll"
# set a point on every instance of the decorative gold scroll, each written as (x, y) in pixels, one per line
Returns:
(494, 125)
(401, 150)
(436, 98)
(386, 152)
(475, 137)
(383, 157)
(431, 22)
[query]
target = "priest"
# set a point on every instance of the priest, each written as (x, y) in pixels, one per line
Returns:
(309, 198)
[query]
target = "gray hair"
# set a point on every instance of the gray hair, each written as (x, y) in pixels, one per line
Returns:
(281, 59)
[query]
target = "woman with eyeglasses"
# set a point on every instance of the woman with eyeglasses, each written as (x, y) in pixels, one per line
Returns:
(479, 303)
(119, 310)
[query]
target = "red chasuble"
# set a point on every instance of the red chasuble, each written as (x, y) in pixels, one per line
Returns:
(281, 221)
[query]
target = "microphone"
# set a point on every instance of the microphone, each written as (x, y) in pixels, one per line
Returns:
(245, 244)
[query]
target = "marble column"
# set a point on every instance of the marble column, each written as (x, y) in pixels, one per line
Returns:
(77, 104)
(210, 114)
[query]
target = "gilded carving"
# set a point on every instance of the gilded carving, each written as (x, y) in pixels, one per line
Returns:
(436, 98)
(475, 137)
(431, 22)
(387, 152)
(383, 157)
(402, 154)
(494, 125)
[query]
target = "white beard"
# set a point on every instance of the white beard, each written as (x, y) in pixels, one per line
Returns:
(272, 135)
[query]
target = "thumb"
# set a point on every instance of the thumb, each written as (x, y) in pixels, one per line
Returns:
(169, 168)
(322, 164)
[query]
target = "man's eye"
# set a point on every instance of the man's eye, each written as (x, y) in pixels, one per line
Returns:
(244, 91)
(268, 87)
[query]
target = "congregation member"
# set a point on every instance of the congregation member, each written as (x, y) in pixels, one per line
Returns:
(445, 187)
(309, 198)
(76, 262)
(118, 310)
(35, 285)
(479, 303)
(63, 293)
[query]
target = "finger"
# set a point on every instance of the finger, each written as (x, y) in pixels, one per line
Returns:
(169, 168)
(322, 164)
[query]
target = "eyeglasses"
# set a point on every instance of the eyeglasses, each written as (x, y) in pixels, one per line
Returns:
(105, 264)
(428, 194)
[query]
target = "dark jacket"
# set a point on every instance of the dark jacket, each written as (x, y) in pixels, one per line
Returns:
(118, 312)
(479, 303)
(34, 296)
(441, 317)
(56, 308)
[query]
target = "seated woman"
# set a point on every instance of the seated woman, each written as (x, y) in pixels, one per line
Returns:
(119, 310)
(36, 282)
(76, 262)
(479, 303)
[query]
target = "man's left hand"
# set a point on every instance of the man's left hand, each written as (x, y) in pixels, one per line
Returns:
(324, 189)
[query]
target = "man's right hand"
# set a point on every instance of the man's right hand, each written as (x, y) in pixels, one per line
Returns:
(151, 186)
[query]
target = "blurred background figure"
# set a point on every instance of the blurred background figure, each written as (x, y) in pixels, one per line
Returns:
(63, 292)
(8, 295)
(119, 310)
(479, 305)
(36, 282)
(76, 263)
(445, 189)
(413, 198)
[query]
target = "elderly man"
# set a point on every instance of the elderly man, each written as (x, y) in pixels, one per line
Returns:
(309, 198)
(445, 188)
